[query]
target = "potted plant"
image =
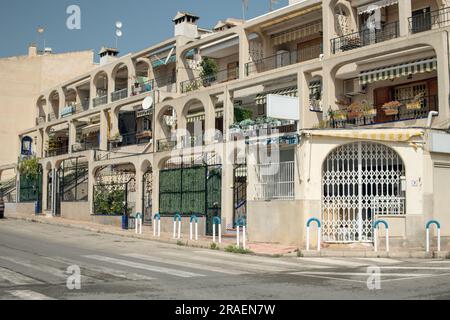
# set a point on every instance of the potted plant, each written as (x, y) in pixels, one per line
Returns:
(210, 68)
(354, 111)
(391, 108)
(116, 138)
(416, 103)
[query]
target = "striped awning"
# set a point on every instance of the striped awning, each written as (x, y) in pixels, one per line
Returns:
(297, 33)
(91, 129)
(397, 71)
(392, 135)
(219, 113)
(144, 113)
(376, 5)
(195, 117)
(290, 92)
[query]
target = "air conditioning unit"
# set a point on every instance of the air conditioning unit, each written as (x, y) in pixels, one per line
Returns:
(352, 87)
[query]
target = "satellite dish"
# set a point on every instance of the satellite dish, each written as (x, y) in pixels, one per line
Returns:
(119, 33)
(119, 25)
(147, 103)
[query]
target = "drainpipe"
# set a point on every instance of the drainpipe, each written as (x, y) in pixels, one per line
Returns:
(431, 114)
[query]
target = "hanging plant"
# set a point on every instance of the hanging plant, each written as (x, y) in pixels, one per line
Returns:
(29, 167)
(210, 68)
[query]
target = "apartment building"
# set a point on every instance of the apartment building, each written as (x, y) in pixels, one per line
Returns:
(335, 110)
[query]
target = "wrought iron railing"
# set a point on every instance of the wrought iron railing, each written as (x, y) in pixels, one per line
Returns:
(84, 146)
(51, 117)
(100, 101)
(284, 59)
(209, 80)
(261, 130)
(190, 141)
(40, 120)
(275, 181)
(429, 20)
(119, 95)
(140, 88)
(365, 37)
(410, 109)
(166, 145)
(57, 151)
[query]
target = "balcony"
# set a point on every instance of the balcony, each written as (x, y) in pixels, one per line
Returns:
(51, 117)
(365, 38)
(40, 120)
(119, 95)
(165, 145)
(283, 59)
(67, 111)
(429, 20)
(82, 106)
(209, 80)
(84, 146)
(394, 111)
(250, 128)
(140, 88)
(99, 101)
(54, 152)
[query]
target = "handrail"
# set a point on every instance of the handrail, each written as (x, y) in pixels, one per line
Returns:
(427, 20)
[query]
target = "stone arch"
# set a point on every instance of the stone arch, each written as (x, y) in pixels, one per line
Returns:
(54, 102)
(119, 76)
(100, 82)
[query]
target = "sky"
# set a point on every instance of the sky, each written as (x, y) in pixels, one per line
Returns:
(145, 22)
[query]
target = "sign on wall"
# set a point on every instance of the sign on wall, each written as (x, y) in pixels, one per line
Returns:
(283, 107)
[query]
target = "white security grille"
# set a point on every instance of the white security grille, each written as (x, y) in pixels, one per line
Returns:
(360, 180)
(275, 181)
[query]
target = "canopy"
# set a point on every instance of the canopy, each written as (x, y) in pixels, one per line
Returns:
(392, 135)
(376, 5)
(262, 97)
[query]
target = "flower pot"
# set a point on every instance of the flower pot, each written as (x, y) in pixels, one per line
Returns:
(414, 105)
(391, 112)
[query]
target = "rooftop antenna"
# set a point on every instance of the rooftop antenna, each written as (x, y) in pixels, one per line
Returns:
(119, 32)
(244, 8)
(271, 3)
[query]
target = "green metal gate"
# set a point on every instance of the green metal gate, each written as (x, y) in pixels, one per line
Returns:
(30, 189)
(191, 190)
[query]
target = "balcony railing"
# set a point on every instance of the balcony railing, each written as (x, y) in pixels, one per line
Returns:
(84, 146)
(100, 101)
(82, 106)
(365, 37)
(119, 95)
(410, 109)
(144, 87)
(283, 59)
(40, 120)
(207, 81)
(57, 151)
(429, 20)
(262, 130)
(51, 117)
(165, 145)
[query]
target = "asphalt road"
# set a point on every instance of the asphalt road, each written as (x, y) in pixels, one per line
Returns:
(35, 260)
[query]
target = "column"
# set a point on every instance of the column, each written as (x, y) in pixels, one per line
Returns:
(72, 134)
(155, 189)
(210, 120)
(243, 54)
(228, 112)
(44, 189)
(139, 189)
(442, 52)
(328, 27)
(104, 130)
(92, 94)
(405, 12)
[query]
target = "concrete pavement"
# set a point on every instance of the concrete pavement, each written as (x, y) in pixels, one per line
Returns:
(34, 260)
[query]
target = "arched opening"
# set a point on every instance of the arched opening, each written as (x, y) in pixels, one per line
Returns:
(41, 106)
(142, 83)
(54, 105)
(115, 190)
(101, 89)
(71, 101)
(360, 180)
(195, 115)
(168, 123)
(315, 94)
(120, 76)
(342, 23)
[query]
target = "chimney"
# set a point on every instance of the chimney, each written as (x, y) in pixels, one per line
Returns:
(186, 25)
(32, 50)
(108, 55)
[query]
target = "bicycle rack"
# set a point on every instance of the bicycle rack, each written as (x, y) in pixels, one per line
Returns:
(157, 217)
(217, 221)
(194, 219)
(319, 233)
(241, 223)
(438, 227)
(375, 234)
(177, 218)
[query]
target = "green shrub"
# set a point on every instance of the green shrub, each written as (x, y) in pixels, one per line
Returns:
(234, 249)
(214, 246)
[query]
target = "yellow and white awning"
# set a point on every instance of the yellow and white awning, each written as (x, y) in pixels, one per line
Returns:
(197, 117)
(91, 129)
(397, 71)
(262, 97)
(391, 135)
(297, 33)
(376, 6)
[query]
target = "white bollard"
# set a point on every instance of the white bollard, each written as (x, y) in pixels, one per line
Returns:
(307, 238)
(159, 228)
(375, 239)
(439, 240)
(179, 229)
(375, 235)
(244, 237)
(387, 240)
(319, 237)
(214, 233)
(175, 229)
(237, 236)
(220, 232)
(308, 233)
(190, 230)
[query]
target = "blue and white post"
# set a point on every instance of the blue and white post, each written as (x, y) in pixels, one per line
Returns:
(138, 223)
(319, 233)
(375, 234)
(217, 222)
(157, 222)
(241, 223)
(194, 220)
(176, 219)
(438, 227)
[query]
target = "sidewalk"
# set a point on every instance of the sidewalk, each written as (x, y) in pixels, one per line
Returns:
(264, 249)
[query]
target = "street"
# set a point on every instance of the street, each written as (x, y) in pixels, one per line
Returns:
(35, 260)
